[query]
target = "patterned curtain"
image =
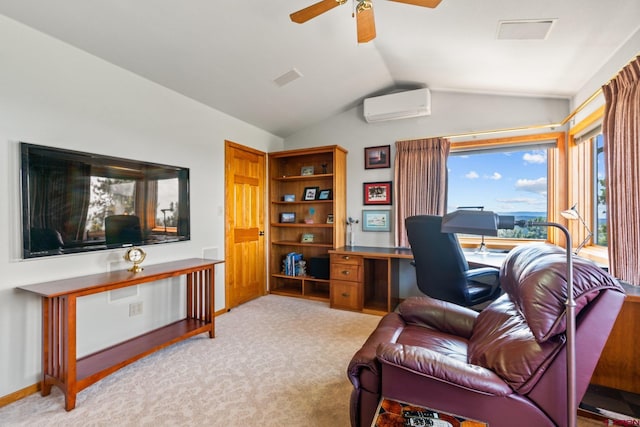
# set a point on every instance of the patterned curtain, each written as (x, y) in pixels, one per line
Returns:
(146, 200)
(621, 129)
(420, 180)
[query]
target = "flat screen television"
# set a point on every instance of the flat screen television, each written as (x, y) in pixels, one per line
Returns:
(77, 202)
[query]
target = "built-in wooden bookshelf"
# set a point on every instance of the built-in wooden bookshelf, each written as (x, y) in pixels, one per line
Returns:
(294, 174)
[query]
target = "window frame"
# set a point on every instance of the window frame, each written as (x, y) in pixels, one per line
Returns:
(556, 176)
(581, 185)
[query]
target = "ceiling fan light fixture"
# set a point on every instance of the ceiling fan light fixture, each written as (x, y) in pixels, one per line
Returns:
(363, 5)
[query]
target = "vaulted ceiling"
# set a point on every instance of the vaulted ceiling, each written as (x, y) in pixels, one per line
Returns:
(227, 54)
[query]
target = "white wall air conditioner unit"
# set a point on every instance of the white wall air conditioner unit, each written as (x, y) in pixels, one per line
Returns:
(401, 105)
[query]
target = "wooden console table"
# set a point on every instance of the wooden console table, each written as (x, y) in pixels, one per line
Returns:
(60, 366)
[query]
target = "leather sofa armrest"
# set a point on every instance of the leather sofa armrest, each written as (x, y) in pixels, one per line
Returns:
(387, 331)
(440, 315)
(430, 364)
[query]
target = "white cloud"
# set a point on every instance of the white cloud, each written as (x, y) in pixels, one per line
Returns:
(538, 186)
(496, 176)
(537, 157)
(472, 175)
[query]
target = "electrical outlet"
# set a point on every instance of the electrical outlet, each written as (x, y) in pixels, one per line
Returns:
(135, 309)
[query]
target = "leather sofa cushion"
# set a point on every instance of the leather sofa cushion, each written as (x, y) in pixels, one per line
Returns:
(437, 314)
(534, 277)
(441, 342)
(503, 342)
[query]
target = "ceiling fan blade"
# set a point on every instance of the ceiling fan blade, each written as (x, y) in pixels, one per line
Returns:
(365, 22)
(303, 15)
(423, 3)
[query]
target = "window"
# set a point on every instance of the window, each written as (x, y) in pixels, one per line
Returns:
(109, 196)
(599, 201)
(587, 185)
(509, 176)
(166, 210)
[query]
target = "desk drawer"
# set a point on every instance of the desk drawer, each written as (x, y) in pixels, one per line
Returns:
(348, 272)
(346, 295)
(346, 259)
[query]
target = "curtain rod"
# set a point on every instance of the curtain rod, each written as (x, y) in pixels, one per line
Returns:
(564, 121)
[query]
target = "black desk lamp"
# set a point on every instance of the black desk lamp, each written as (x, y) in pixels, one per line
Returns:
(482, 250)
(488, 223)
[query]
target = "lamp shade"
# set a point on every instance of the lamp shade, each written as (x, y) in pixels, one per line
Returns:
(471, 222)
(571, 213)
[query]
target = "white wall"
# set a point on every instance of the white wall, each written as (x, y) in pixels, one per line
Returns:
(53, 94)
(615, 63)
(452, 113)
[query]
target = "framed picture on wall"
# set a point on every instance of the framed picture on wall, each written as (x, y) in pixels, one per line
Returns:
(377, 157)
(377, 193)
(376, 220)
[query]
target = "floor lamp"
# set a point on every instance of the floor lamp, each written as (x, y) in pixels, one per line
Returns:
(482, 249)
(488, 223)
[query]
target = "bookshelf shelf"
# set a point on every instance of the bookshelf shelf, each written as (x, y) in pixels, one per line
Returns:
(286, 178)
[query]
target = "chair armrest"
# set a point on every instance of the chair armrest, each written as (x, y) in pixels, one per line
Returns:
(440, 315)
(364, 368)
(429, 364)
(484, 275)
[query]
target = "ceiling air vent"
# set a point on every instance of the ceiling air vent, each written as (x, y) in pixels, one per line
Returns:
(287, 77)
(525, 29)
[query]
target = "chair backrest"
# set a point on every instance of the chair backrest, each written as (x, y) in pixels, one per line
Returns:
(122, 229)
(439, 260)
(45, 239)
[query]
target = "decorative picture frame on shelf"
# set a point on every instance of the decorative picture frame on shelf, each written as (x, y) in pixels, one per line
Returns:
(307, 238)
(377, 193)
(287, 217)
(330, 219)
(310, 193)
(377, 157)
(289, 198)
(378, 220)
(307, 170)
(325, 195)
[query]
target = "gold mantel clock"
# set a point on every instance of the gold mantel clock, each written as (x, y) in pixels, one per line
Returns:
(135, 255)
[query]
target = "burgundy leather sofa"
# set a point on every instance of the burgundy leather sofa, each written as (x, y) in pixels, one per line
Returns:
(505, 365)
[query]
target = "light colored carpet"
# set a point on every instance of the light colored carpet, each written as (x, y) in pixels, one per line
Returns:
(275, 361)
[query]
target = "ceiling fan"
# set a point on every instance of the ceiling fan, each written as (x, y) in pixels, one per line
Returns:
(366, 25)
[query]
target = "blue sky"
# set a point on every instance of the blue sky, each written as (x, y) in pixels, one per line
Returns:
(501, 182)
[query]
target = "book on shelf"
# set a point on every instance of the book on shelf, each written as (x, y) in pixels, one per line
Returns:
(291, 264)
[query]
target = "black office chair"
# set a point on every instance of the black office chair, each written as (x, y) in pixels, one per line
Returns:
(122, 229)
(442, 271)
(46, 240)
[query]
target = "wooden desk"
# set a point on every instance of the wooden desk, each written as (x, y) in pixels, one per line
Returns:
(60, 366)
(490, 259)
(365, 278)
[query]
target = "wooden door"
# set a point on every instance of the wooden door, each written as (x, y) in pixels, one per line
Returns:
(244, 239)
